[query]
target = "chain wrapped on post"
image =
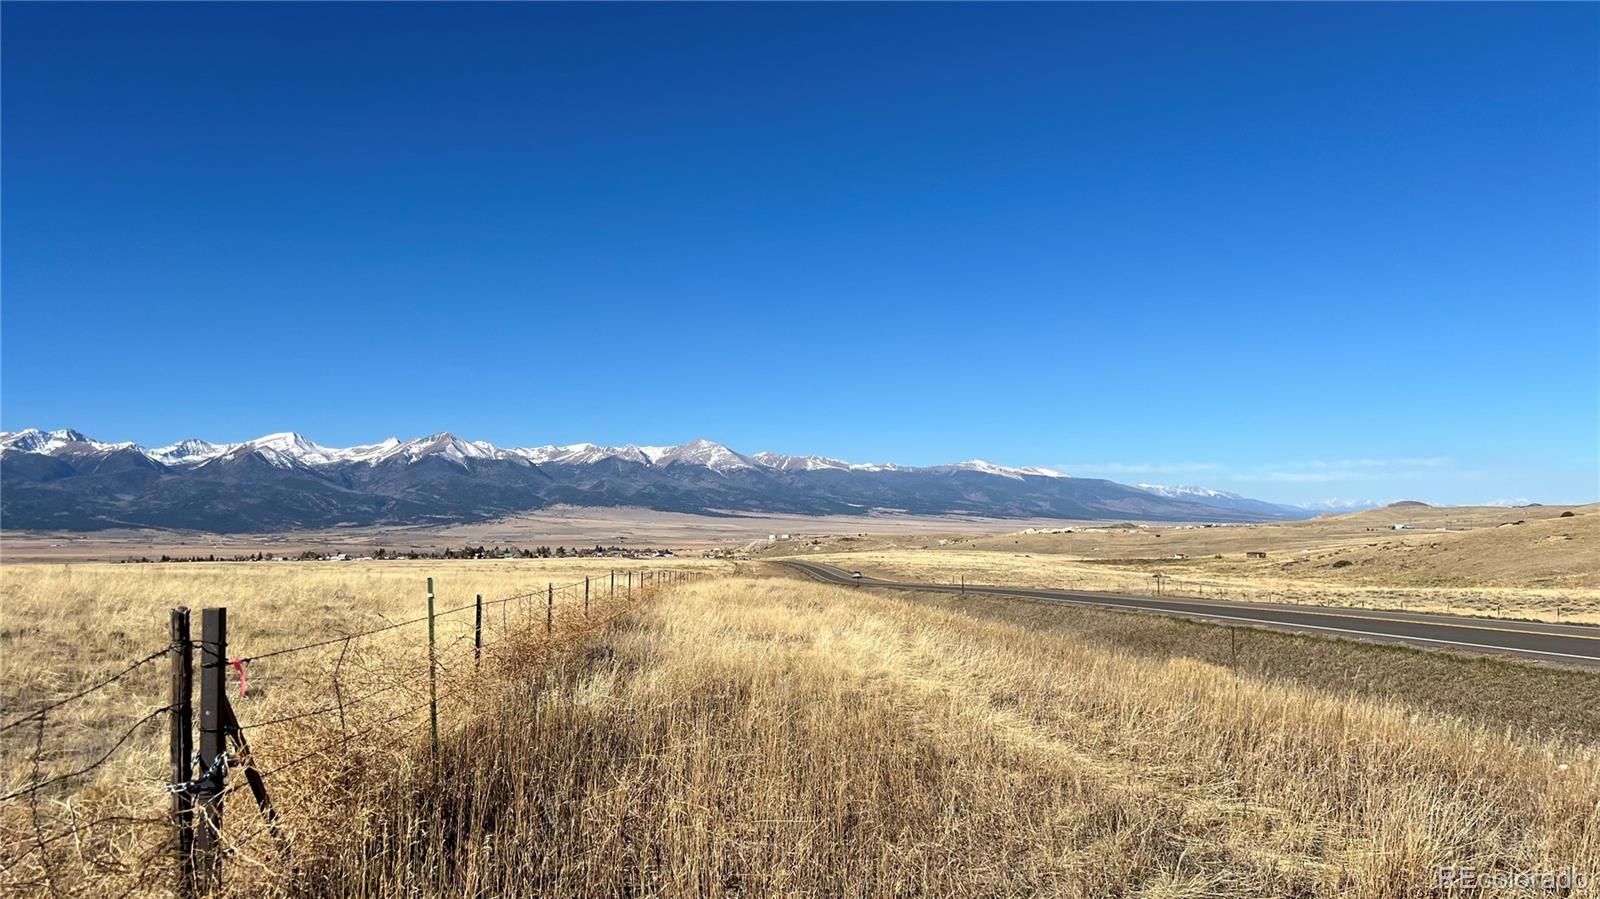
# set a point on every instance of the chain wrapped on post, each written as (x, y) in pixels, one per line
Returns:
(213, 775)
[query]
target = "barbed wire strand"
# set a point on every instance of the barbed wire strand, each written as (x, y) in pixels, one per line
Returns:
(399, 624)
(36, 787)
(87, 690)
(284, 719)
(85, 828)
(42, 842)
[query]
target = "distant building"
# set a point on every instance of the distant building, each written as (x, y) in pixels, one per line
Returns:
(1405, 527)
(1254, 554)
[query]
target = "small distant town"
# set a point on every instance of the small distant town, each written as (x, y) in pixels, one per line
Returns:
(465, 552)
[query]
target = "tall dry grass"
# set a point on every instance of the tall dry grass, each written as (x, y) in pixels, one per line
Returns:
(768, 737)
(67, 627)
(748, 736)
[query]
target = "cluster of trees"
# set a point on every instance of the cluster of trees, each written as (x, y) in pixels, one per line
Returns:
(212, 557)
(465, 552)
(537, 552)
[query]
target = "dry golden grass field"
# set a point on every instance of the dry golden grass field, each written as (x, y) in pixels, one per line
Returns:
(1520, 563)
(754, 735)
(68, 627)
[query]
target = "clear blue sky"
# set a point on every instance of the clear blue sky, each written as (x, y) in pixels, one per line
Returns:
(1295, 251)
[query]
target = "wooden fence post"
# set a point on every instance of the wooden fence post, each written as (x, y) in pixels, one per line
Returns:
(630, 583)
(613, 583)
(549, 607)
(182, 719)
(433, 686)
(477, 633)
(586, 596)
(208, 796)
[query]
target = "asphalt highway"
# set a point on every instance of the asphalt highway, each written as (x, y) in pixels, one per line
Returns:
(1571, 644)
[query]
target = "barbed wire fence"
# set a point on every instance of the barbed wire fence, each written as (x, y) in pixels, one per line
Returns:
(349, 700)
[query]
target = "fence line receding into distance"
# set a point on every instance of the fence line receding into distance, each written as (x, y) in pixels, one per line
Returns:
(199, 774)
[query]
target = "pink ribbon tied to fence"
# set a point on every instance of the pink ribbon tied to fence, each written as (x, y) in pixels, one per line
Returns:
(238, 665)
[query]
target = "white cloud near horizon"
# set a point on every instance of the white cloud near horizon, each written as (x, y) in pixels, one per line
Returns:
(1315, 483)
(1313, 471)
(1297, 478)
(1136, 467)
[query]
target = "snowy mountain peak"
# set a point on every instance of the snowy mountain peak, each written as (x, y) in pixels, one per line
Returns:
(295, 446)
(782, 462)
(980, 465)
(243, 452)
(371, 453)
(33, 440)
(1180, 491)
(189, 452)
(1344, 505)
(452, 448)
(714, 456)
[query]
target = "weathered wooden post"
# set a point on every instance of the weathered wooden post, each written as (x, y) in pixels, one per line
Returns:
(630, 583)
(182, 722)
(433, 686)
(549, 607)
(613, 583)
(213, 767)
(586, 596)
(477, 633)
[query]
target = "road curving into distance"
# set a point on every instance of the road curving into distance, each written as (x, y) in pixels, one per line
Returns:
(1570, 644)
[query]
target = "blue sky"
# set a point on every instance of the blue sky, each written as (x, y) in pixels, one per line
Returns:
(1300, 252)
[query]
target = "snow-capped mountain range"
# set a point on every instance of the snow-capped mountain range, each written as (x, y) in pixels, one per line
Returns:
(288, 448)
(65, 479)
(1345, 505)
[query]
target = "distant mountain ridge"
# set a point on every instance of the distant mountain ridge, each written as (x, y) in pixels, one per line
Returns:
(66, 480)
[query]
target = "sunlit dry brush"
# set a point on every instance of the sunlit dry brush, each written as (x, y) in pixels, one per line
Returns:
(68, 627)
(776, 737)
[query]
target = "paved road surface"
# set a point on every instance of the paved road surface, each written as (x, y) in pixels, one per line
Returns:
(1571, 644)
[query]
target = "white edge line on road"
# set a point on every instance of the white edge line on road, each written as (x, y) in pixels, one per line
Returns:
(1270, 624)
(1342, 630)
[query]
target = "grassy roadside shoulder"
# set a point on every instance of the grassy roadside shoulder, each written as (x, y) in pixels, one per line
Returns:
(947, 565)
(764, 736)
(1528, 697)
